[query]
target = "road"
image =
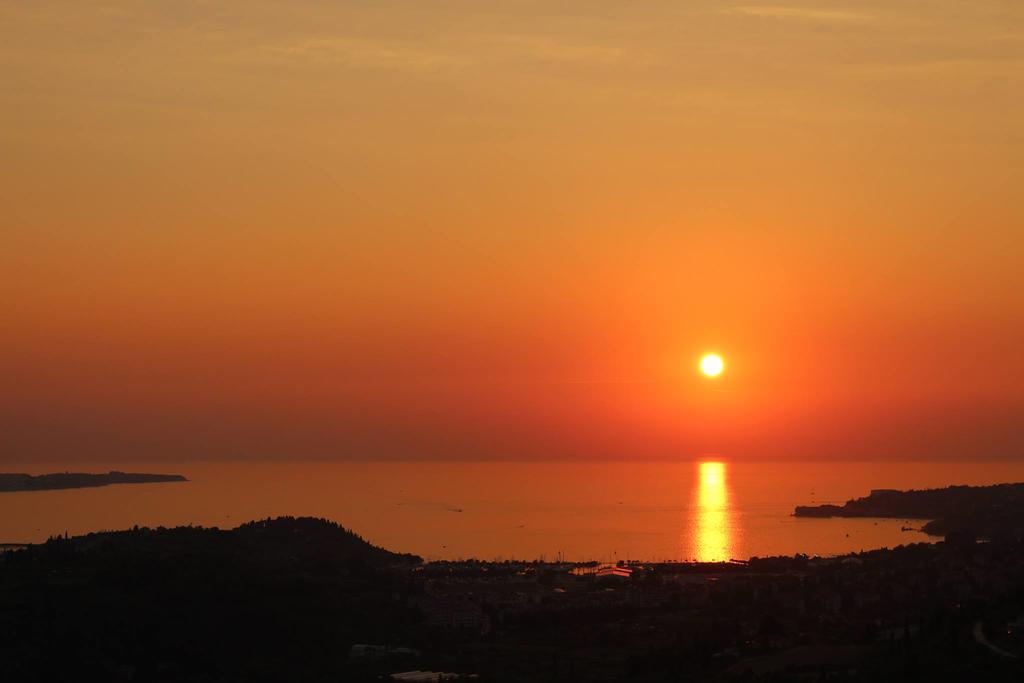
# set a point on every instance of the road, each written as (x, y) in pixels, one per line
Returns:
(981, 639)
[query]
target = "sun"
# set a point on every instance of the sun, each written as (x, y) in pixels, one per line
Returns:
(712, 365)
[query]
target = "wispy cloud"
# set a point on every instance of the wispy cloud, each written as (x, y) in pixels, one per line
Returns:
(996, 67)
(800, 13)
(425, 57)
(562, 50)
(361, 53)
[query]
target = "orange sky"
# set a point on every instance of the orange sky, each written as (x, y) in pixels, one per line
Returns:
(508, 230)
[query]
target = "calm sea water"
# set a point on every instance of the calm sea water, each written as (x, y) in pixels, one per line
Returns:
(654, 511)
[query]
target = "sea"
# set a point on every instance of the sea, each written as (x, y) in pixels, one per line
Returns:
(708, 510)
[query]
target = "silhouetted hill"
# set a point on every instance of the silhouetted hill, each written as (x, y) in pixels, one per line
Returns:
(984, 511)
(270, 600)
(78, 480)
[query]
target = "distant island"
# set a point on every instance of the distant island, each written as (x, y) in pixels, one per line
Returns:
(984, 511)
(78, 480)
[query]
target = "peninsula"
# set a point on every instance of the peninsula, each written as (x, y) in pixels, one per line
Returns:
(78, 480)
(983, 511)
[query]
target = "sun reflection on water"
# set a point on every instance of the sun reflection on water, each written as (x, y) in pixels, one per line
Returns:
(713, 538)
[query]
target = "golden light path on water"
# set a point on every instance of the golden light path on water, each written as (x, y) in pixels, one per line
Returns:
(713, 540)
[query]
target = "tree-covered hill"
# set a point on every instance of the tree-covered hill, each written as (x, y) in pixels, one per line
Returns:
(280, 599)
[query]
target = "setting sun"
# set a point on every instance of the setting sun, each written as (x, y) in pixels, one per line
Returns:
(712, 365)
(418, 314)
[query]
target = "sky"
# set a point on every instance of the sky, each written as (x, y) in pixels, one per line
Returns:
(509, 230)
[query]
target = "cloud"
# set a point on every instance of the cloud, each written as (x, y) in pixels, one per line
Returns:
(994, 67)
(800, 13)
(557, 49)
(360, 53)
